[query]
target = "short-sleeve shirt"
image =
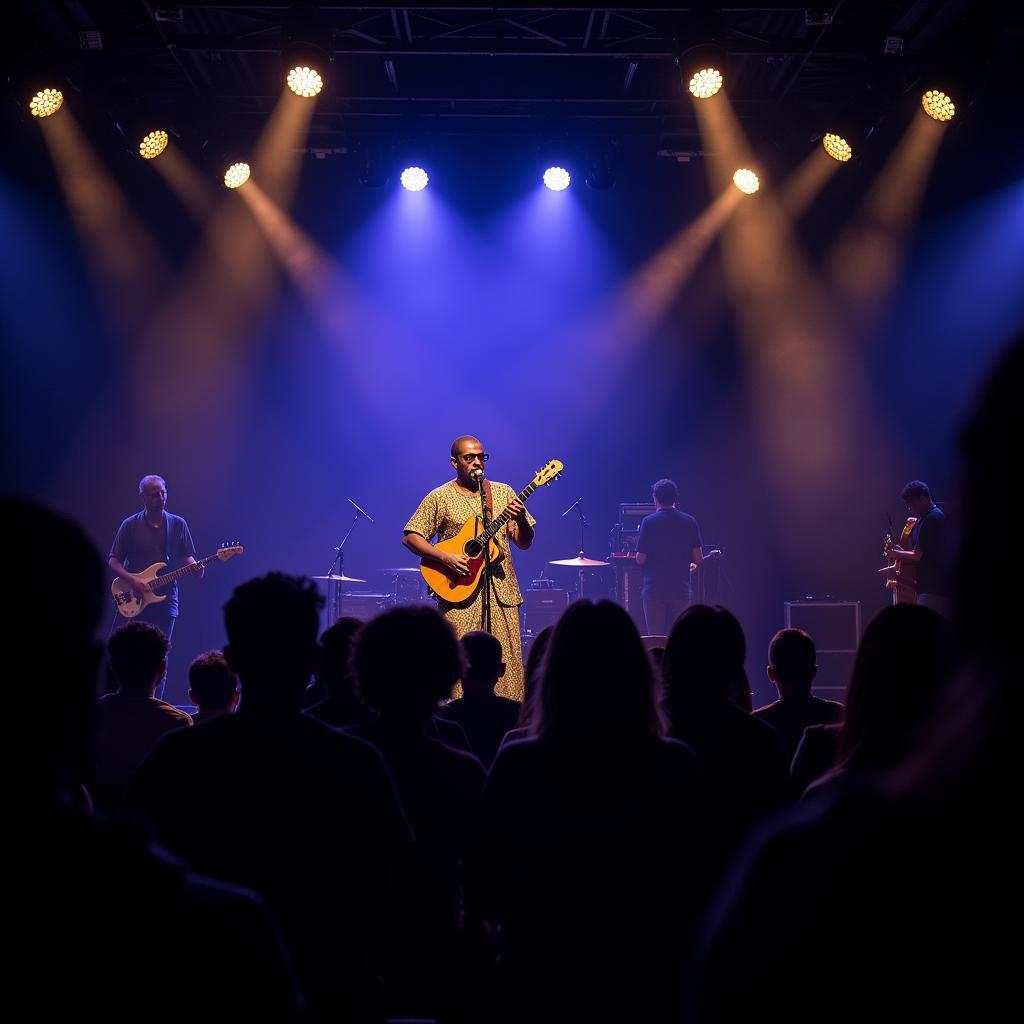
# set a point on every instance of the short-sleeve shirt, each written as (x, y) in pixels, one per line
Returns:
(668, 537)
(443, 512)
(929, 537)
(137, 545)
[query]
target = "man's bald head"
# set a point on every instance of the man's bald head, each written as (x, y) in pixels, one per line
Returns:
(461, 442)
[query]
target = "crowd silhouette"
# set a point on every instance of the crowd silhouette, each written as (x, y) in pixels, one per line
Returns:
(331, 838)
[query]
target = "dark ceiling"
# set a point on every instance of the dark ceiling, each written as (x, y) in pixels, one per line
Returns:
(447, 70)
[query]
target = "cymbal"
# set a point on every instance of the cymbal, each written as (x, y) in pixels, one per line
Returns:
(401, 568)
(338, 579)
(577, 563)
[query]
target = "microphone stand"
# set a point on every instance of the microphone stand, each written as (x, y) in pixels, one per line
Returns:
(334, 606)
(583, 525)
(486, 607)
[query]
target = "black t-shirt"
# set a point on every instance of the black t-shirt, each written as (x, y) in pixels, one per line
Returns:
(667, 538)
(137, 545)
(929, 537)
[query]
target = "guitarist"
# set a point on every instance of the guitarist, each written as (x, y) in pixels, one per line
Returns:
(927, 547)
(153, 535)
(442, 514)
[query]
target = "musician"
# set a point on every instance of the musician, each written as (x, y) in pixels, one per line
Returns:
(153, 535)
(927, 547)
(668, 548)
(442, 513)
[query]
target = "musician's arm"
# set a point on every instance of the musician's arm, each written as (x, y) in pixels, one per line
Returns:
(520, 529)
(121, 572)
(420, 546)
(904, 555)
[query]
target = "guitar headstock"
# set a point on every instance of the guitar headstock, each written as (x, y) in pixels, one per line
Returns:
(226, 551)
(552, 471)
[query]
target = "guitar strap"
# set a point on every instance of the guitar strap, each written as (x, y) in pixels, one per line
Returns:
(488, 503)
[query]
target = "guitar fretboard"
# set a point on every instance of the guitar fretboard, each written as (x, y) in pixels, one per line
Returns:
(499, 521)
(170, 577)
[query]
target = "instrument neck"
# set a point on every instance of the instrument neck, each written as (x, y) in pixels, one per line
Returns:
(499, 521)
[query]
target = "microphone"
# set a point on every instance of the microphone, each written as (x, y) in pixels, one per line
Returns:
(359, 510)
(570, 508)
(477, 474)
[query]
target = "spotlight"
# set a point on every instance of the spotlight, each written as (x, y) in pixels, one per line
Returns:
(305, 61)
(837, 147)
(703, 70)
(305, 81)
(938, 106)
(557, 179)
(746, 181)
(705, 82)
(153, 144)
(46, 102)
(236, 175)
(414, 179)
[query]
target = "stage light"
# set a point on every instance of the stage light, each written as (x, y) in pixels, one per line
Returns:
(153, 145)
(557, 179)
(837, 147)
(46, 102)
(414, 179)
(236, 174)
(938, 106)
(305, 81)
(706, 82)
(746, 181)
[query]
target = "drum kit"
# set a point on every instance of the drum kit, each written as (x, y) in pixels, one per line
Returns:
(405, 586)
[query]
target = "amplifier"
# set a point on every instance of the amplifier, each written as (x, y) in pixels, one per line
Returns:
(542, 608)
(365, 606)
(835, 628)
(631, 512)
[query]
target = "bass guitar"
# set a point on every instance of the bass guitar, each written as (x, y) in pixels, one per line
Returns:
(128, 605)
(900, 576)
(473, 541)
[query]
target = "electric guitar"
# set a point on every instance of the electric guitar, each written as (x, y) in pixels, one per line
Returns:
(900, 576)
(470, 541)
(129, 605)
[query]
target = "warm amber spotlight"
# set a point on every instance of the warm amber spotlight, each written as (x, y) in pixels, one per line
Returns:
(153, 145)
(706, 82)
(46, 102)
(236, 174)
(938, 105)
(305, 81)
(837, 147)
(746, 181)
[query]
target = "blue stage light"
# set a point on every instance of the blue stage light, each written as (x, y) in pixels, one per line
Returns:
(414, 179)
(556, 179)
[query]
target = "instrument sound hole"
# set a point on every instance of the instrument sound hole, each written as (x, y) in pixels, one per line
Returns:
(473, 549)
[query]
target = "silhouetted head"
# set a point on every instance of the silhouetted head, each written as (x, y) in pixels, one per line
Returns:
(484, 661)
(917, 497)
(406, 661)
(665, 492)
(337, 641)
(212, 686)
(704, 658)
(138, 656)
(792, 661)
(898, 675)
(272, 624)
(597, 680)
(53, 742)
(532, 673)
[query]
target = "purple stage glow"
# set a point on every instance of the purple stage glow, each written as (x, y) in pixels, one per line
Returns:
(414, 179)
(557, 179)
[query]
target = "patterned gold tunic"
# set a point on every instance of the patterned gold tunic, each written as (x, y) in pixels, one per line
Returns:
(442, 513)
